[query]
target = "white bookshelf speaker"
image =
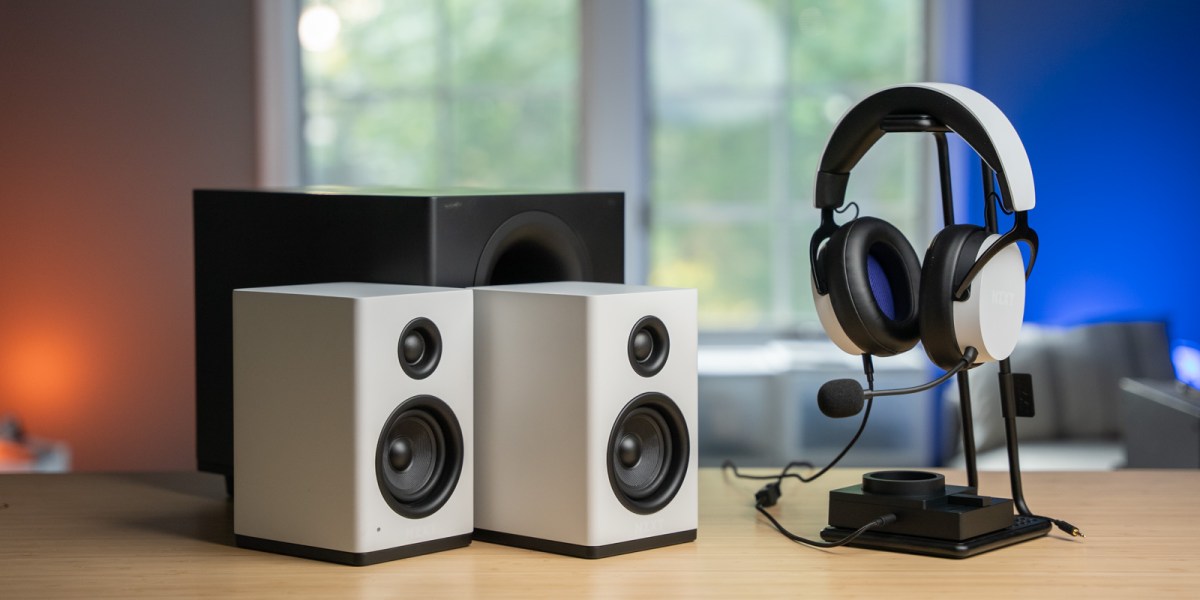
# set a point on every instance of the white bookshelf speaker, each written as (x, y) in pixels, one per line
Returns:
(353, 424)
(585, 396)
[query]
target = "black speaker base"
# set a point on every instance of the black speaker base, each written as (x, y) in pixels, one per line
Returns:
(356, 559)
(580, 551)
(1022, 529)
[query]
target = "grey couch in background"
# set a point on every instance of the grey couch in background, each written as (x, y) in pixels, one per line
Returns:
(1076, 377)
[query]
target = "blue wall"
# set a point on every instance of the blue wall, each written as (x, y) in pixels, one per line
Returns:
(1106, 96)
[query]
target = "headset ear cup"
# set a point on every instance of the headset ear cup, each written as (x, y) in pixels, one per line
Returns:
(949, 257)
(865, 261)
(823, 305)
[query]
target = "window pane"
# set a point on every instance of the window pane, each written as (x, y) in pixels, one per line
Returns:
(513, 141)
(526, 43)
(373, 141)
(710, 150)
(716, 46)
(441, 93)
(724, 262)
(377, 47)
(863, 42)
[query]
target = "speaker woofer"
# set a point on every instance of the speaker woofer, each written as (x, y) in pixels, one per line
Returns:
(648, 453)
(419, 456)
(420, 348)
(648, 346)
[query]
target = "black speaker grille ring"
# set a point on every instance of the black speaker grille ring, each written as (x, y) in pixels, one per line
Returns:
(434, 439)
(650, 482)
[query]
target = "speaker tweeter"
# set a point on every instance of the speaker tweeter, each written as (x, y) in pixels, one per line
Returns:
(649, 345)
(420, 348)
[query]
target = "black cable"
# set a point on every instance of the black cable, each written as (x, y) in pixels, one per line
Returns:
(846, 207)
(869, 371)
(784, 474)
(887, 519)
(728, 464)
(769, 494)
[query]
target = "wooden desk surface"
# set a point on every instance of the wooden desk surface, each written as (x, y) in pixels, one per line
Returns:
(170, 535)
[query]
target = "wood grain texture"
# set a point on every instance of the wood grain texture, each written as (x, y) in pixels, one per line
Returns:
(170, 535)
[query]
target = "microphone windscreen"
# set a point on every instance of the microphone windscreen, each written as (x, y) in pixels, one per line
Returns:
(841, 398)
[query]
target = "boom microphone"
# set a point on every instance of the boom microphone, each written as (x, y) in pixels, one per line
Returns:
(843, 398)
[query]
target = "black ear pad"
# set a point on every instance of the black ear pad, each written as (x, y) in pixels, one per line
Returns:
(950, 256)
(868, 262)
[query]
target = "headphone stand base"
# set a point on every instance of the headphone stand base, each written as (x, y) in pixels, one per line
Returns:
(1023, 529)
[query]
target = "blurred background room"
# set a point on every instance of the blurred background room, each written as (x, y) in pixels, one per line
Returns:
(709, 114)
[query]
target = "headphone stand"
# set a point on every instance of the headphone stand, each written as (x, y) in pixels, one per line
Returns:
(1025, 525)
(968, 428)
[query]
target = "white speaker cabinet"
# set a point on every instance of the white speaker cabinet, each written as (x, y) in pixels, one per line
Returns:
(586, 430)
(353, 422)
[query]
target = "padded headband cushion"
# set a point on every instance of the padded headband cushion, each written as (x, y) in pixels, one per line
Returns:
(855, 250)
(950, 256)
(973, 117)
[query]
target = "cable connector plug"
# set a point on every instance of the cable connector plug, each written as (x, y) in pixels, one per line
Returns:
(1067, 528)
(884, 521)
(768, 495)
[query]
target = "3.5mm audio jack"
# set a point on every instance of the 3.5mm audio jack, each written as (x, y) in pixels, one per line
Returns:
(1066, 527)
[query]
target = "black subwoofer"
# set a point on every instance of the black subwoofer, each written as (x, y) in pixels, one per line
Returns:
(648, 453)
(266, 238)
(419, 456)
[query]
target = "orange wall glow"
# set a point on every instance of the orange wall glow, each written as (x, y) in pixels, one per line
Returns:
(112, 113)
(43, 368)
